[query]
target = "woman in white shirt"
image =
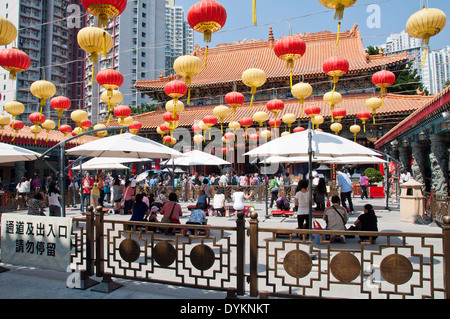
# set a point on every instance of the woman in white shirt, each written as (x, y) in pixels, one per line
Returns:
(238, 199)
(219, 201)
(302, 203)
(23, 189)
(53, 200)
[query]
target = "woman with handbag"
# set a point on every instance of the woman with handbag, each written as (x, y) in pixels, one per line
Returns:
(336, 218)
(171, 211)
(274, 187)
(364, 182)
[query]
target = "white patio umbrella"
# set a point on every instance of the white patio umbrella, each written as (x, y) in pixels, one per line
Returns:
(95, 167)
(11, 153)
(194, 158)
(356, 160)
(125, 145)
(323, 145)
(297, 159)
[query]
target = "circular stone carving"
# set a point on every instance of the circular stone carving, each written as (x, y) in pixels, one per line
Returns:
(396, 269)
(202, 257)
(345, 267)
(297, 263)
(129, 250)
(164, 254)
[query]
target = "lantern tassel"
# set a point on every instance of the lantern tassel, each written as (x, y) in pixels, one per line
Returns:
(189, 97)
(206, 56)
(424, 58)
(291, 80)
(14, 137)
(339, 12)
(338, 34)
(255, 22)
(109, 119)
(92, 77)
(59, 123)
(104, 45)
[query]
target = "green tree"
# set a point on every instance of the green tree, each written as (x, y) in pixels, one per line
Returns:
(373, 175)
(373, 50)
(408, 81)
(447, 83)
(144, 108)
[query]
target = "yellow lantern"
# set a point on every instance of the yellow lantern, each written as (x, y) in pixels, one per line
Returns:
(317, 120)
(260, 117)
(266, 134)
(198, 139)
(100, 134)
(302, 91)
(79, 116)
(285, 134)
(160, 132)
(8, 31)
(175, 108)
(188, 66)
(48, 125)
(35, 129)
(4, 121)
(355, 129)
(113, 100)
(336, 127)
(254, 78)
(126, 121)
(288, 119)
(332, 99)
(425, 24)
(338, 5)
(43, 90)
(14, 108)
(234, 126)
(221, 112)
(374, 104)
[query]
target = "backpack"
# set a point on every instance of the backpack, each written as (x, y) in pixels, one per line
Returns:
(234, 180)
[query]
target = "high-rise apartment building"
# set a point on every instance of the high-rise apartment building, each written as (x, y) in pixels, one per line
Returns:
(179, 35)
(439, 69)
(44, 35)
(138, 53)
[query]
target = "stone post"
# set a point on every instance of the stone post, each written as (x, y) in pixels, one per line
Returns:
(439, 164)
(419, 162)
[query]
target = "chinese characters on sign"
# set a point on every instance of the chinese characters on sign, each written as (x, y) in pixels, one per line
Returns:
(36, 241)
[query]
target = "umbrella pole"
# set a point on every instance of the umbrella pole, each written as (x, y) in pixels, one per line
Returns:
(310, 154)
(62, 180)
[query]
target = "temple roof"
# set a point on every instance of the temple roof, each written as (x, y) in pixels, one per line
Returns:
(394, 104)
(227, 62)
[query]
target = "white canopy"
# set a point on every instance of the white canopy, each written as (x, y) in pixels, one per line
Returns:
(323, 145)
(125, 145)
(95, 167)
(11, 153)
(357, 160)
(195, 157)
(326, 160)
(297, 159)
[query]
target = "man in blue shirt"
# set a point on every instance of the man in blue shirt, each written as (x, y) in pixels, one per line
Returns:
(346, 190)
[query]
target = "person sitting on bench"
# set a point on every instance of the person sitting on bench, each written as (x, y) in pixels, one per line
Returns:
(198, 217)
(283, 204)
(202, 201)
(238, 199)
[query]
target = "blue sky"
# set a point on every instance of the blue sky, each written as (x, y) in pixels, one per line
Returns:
(291, 16)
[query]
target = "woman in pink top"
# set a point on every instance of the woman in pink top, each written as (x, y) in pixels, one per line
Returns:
(128, 194)
(171, 210)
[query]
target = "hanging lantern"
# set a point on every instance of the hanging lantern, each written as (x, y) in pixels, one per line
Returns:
(338, 5)
(260, 117)
(374, 104)
(221, 112)
(339, 114)
(16, 126)
(207, 17)
(43, 90)
(48, 125)
(235, 100)
(285, 134)
(167, 117)
(364, 116)
(122, 111)
(266, 134)
(35, 129)
(355, 129)
(425, 24)
(135, 127)
(188, 66)
(299, 129)
(160, 131)
(383, 80)
(65, 129)
(37, 119)
(234, 126)
(79, 116)
(174, 108)
(60, 104)
(290, 49)
(100, 134)
(196, 128)
(86, 124)
(274, 123)
(289, 119)
(246, 122)
(8, 31)
(332, 99)
(302, 91)
(110, 80)
(94, 41)
(275, 106)
(77, 131)
(312, 111)
(14, 108)
(14, 61)
(111, 101)
(104, 9)
(336, 67)
(210, 121)
(336, 127)
(4, 121)
(254, 78)
(254, 138)
(317, 120)
(229, 137)
(175, 89)
(198, 139)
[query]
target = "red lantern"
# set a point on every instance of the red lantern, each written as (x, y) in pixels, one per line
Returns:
(175, 89)
(235, 100)
(289, 49)
(168, 117)
(37, 118)
(383, 80)
(254, 137)
(246, 122)
(336, 67)
(339, 114)
(65, 129)
(86, 124)
(196, 128)
(60, 104)
(299, 129)
(104, 9)
(210, 120)
(229, 137)
(275, 123)
(207, 17)
(14, 61)
(364, 116)
(225, 151)
(110, 80)
(136, 125)
(275, 106)
(312, 110)
(122, 111)
(16, 126)
(167, 139)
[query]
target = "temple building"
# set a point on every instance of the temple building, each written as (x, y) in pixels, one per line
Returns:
(227, 62)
